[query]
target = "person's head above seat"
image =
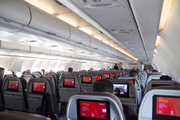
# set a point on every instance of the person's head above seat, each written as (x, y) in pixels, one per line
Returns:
(70, 69)
(2, 71)
(165, 77)
(103, 85)
(133, 73)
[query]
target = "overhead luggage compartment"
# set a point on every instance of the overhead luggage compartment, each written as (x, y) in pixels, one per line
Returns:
(11, 18)
(48, 23)
(79, 36)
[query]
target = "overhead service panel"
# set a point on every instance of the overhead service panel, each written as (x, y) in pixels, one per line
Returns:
(13, 15)
(14, 46)
(40, 50)
(48, 23)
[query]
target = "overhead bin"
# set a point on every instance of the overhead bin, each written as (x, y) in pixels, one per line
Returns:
(14, 46)
(11, 18)
(96, 44)
(40, 50)
(48, 23)
(79, 36)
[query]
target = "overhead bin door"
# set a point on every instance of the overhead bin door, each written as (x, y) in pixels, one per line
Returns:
(48, 23)
(13, 14)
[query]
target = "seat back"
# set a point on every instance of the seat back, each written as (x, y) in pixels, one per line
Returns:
(37, 74)
(97, 74)
(69, 85)
(1, 95)
(107, 75)
(94, 105)
(36, 88)
(126, 92)
(14, 94)
(160, 103)
(86, 82)
(137, 86)
(27, 77)
(157, 82)
(153, 77)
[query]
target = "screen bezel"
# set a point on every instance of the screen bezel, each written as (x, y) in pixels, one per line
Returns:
(122, 95)
(87, 118)
(162, 117)
(68, 85)
(87, 82)
(37, 92)
(11, 89)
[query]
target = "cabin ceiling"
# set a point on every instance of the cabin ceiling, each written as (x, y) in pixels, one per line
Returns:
(131, 23)
(125, 25)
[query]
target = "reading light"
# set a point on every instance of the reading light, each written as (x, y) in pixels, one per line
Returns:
(166, 9)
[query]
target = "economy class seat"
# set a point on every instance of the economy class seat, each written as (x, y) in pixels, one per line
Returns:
(160, 103)
(83, 106)
(15, 96)
(55, 86)
(69, 85)
(153, 77)
(126, 92)
(27, 77)
(136, 84)
(158, 82)
(36, 88)
(86, 82)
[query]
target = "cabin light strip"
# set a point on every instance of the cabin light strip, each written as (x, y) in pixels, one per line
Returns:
(158, 39)
(48, 10)
(166, 9)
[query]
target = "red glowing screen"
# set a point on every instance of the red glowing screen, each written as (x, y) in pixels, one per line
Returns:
(98, 77)
(168, 106)
(106, 75)
(47, 78)
(132, 81)
(27, 79)
(86, 79)
(117, 74)
(13, 85)
(39, 87)
(121, 73)
(124, 72)
(113, 75)
(93, 109)
(68, 82)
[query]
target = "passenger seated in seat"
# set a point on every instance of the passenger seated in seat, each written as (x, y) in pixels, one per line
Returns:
(1, 72)
(27, 72)
(165, 77)
(105, 85)
(133, 73)
(70, 69)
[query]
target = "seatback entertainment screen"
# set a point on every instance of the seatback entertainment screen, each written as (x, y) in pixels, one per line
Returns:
(39, 87)
(113, 75)
(107, 76)
(166, 107)
(86, 79)
(98, 77)
(121, 90)
(92, 109)
(117, 74)
(68, 82)
(12, 85)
